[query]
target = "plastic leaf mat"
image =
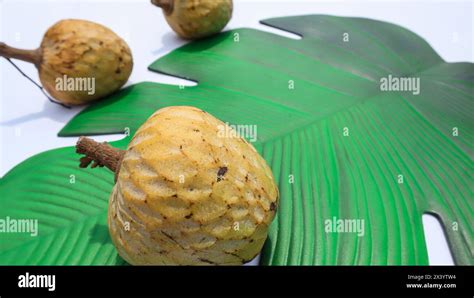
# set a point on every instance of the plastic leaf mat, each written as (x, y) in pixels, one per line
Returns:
(340, 147)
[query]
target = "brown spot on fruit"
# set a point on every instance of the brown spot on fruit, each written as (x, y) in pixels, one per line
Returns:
(220, 173)
(272, 206)
(206, 261)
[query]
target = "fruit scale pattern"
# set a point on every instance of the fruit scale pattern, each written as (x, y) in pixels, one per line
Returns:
(190, 197)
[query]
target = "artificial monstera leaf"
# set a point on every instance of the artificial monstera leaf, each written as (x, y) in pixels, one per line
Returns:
(340, 147)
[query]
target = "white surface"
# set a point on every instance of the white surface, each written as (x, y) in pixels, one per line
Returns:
(437, 241)
(29, 123)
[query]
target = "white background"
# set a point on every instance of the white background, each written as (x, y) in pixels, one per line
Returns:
(29, 123)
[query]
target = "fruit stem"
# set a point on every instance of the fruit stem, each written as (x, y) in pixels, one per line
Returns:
(102, 154)
(166, 5)
(32, 56)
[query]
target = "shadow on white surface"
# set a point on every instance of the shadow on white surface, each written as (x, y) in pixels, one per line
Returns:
(169, 41)
(50, 111)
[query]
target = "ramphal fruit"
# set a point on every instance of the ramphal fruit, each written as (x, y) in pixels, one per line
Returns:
(185, 194)
(78, 61)
(193, 19)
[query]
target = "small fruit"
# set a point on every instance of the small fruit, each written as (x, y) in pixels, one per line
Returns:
(192, 19)
(77, 51)
(184, 194)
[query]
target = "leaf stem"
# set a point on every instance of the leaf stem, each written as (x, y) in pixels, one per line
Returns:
(101, 154)
(32, 56)
(166, 5)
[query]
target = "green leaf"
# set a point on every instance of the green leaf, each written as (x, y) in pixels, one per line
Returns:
(336, 70)
(70, 206)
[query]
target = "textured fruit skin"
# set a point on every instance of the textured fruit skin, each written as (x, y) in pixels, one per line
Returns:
(193, 19)
(193, 222)
(83, 49)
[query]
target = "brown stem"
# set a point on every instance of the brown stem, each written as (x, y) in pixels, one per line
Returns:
(32, 56)
(102, 154)
(166, 5)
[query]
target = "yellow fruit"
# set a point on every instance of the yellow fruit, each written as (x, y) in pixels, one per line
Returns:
(72, 53)
(192, 19)
(185, 194)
